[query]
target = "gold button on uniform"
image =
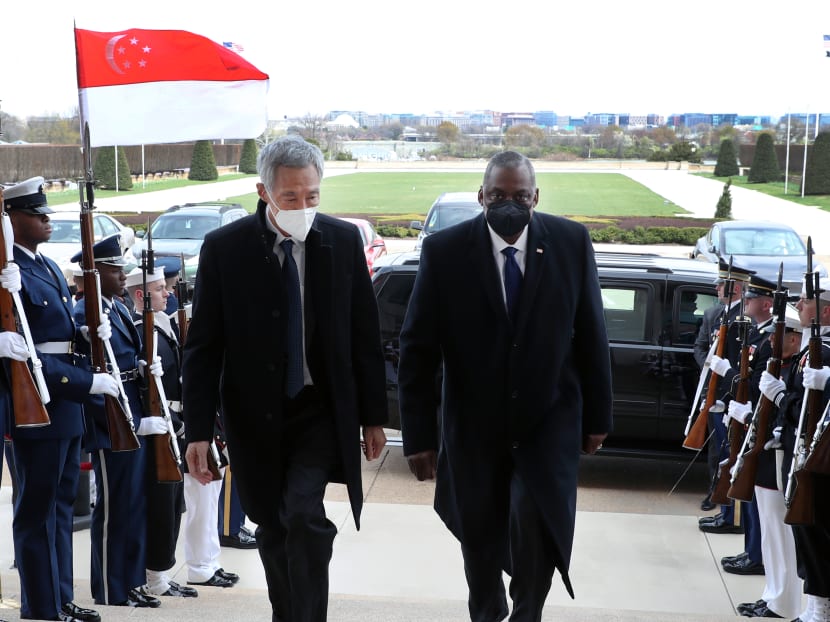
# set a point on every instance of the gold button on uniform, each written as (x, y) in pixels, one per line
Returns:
(64, 380)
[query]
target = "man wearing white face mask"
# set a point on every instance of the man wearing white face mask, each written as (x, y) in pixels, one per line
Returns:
(297, 370)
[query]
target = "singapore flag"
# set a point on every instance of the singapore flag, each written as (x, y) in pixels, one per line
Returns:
(162, 86)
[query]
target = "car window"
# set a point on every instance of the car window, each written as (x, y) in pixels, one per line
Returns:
(184, 226)
(444, 216)
(687, 313)
(625, 310)
(103, 226)
(67, 231)
(393, 298)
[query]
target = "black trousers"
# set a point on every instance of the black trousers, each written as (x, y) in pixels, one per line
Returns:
(165, 504)
(296, 546)
(812, 542)
(525, 552)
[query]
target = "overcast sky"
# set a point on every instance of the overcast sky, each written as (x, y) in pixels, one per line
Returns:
(636, 56)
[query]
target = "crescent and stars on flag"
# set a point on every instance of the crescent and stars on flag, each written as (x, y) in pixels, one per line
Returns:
(142, 86)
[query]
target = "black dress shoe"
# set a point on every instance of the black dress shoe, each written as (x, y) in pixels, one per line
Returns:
(230, 576)
(744, 566)
(710, 519)
(734, 558)
(706, 505)
(215, 581)
(762, 612)
(136, 598)
(720, 526)
(71, 610)
(241, 540)
(745, 608)
(180, 591)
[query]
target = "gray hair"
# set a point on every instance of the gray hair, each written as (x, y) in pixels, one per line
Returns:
(509, 159)
(291, 151)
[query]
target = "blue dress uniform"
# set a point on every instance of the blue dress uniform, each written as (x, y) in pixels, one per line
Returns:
(48, 458)
(119, 517)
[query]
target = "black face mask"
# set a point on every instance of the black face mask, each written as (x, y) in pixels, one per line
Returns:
(508, 218)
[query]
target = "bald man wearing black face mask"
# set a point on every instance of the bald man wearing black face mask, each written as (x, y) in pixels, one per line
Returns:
(509, 305)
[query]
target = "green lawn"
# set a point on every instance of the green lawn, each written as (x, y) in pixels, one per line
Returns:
(776, 189)
(569, 194)
(73, 196)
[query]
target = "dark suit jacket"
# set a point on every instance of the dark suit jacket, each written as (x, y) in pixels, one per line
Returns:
(235, 349)
(512, 398)
(708, 327)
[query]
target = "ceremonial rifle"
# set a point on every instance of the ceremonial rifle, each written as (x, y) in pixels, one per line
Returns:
(168, 457)
(28, 398)
(799, 496)
(746, 468)
(697, 434)
(736, 428)
(818, 458)
(119, 419)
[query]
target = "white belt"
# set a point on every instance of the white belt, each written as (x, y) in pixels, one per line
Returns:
(175, 406)
(56, 347)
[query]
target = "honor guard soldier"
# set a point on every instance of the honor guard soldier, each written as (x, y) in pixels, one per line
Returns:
(782, 590)
(812, 537)
(165, 499)
(118, 527)
(172, 269)
(47, 458)
(730, 286)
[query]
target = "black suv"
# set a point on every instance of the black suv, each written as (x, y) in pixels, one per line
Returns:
(653, 309)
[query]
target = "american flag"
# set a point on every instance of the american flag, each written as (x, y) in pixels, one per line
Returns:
(238, 48)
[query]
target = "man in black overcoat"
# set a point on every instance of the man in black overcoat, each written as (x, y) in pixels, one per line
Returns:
(285, 337)
(526, 386)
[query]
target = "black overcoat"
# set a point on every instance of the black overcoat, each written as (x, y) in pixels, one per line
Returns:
(235, 350)
(513, 399)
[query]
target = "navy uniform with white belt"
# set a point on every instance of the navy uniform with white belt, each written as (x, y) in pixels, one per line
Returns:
(47, 458)
(119, 517)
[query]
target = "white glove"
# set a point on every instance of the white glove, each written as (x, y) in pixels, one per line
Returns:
(10, 278)
(13, 346)
(104, 383)
(104, 328)
(775, 441)
(816, 378)
(717, 407)
(771, 386)
(154, 367)
(152, 425)
(719, 366)
(740, 411)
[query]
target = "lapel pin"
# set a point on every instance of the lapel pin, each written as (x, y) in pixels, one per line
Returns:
(540, 250)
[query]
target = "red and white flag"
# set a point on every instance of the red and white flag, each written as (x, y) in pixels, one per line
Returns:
(140, 87)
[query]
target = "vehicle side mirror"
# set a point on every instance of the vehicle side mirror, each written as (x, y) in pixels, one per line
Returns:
(416, 224)
(140, 233)
(711, 248)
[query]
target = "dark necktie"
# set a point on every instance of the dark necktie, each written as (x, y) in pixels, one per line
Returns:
(294, 379)
(512, 282)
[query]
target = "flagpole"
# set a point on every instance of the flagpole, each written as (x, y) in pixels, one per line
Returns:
(806, 139)
(143, 169)
(787, 158)
(115, 152)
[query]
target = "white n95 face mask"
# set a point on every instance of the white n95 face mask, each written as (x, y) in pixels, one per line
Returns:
(295, 222)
